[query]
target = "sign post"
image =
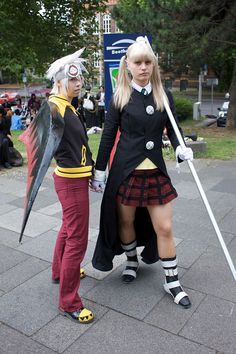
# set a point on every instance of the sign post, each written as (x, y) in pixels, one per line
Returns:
(212, 82)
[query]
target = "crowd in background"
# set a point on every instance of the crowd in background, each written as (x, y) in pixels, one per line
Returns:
(18, 116)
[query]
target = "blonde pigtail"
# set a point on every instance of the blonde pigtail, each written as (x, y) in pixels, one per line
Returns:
(123, 91)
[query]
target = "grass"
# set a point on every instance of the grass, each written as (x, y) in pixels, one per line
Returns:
(94, 140)
(221, 142)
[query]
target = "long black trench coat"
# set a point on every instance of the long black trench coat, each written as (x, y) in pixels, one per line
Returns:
(137, 128)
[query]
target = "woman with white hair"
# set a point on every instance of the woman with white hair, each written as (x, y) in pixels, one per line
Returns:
(136, 207)
(71, 179)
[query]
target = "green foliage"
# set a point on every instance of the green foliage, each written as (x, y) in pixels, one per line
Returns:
(35, 33)
(218, 147)
(185, 33)
(184, 107)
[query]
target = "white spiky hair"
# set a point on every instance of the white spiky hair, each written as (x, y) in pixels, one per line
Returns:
(59, 69)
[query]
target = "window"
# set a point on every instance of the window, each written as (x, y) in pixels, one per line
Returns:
(106, 23)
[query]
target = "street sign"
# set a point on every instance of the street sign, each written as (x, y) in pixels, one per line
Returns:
(212, 82)
(115, 46)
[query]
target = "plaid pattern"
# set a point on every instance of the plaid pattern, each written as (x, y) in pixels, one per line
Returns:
(146, 187)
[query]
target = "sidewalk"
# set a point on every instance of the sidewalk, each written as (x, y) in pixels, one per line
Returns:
(138, 318)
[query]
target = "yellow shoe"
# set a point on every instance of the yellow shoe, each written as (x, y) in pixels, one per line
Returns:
(82, 273)
(82, 316)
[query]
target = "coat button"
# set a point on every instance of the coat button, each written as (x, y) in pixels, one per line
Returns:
(150, 145)
(149, 110)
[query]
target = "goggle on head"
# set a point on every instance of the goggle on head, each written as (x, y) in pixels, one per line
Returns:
(70, 71)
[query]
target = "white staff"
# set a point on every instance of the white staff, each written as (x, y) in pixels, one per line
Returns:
(202, 193)
(195, 176)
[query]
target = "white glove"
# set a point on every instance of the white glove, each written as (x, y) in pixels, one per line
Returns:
(98, 182)
(185, 153)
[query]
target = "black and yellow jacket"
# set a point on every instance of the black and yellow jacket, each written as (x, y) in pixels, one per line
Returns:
(73, 156)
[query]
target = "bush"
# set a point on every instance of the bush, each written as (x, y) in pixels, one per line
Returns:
(184, 108)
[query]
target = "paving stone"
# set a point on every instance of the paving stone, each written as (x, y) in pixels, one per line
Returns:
(187, 189)
(220, 198)
(1, 293)
(37, 224)
(228, 223)
(10, 258)
(21, 272)
(13, 342)
(94, 197)
(210, 274)
(189, 251)
(6, 208)
(213, 324)
(119, 334)
(193, 212)
(171, 317)
(94, 273)
(200, 234)
(44, 198)
(95, 215)
(15, 187)
(87, 284)
(93, 234)
(51, 209)
(226, 186)
(5, 197)
(219, 205)
(89, 252)
(60, 333)
(147, 290)
(11, 238)
(41, 246)
(31, 305)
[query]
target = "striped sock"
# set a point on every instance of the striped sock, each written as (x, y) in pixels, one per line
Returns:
(172, 284)
(129, 273)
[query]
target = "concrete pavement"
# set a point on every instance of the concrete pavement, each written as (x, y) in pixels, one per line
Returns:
(135, 318)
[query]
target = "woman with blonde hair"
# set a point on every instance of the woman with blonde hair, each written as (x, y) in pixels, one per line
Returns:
(136, 207)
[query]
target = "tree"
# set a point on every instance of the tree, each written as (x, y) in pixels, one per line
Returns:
(38, 32)
(188, 33)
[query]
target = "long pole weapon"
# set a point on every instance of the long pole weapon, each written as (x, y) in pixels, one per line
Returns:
(202, 193)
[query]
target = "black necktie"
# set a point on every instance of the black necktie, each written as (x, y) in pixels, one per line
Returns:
(144, 91)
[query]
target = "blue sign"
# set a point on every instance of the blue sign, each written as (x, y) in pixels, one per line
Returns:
(115, 46)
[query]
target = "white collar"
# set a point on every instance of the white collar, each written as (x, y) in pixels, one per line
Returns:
(148, 87)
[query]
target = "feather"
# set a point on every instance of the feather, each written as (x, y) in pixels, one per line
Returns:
(42, 139)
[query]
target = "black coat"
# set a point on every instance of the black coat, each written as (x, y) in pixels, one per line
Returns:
(137, 128)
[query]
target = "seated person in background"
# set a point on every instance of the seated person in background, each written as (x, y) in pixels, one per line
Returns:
(19, 104)
(5, 139)
(16, 122)
(34, 102)
(32, 115)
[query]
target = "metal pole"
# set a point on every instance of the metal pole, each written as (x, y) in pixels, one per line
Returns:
(200, 91)
(202, 193)
(212, 88)
(100, 51)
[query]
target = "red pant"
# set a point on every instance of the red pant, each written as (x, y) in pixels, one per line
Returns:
(72, 239)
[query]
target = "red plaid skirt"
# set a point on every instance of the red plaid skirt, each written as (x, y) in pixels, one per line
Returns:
(146, 187)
